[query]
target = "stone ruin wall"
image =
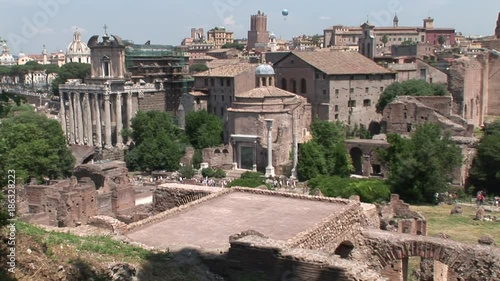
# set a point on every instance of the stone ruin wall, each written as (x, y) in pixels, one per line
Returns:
(168, 198)
(219, 157)
(407, 221)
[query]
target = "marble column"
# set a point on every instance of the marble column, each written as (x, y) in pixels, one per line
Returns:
(71, 130)
(79, 119)
(119, 121)
(98, 121)
(295, 156)
(107, 121)
(130, 113)
(62, 113)
(88, 120)
(269, 168)
(254, 167)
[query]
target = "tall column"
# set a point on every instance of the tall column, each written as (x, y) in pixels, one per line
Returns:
(254, 168)
(62, 113)
(71, 130)
(81, 134)
(269, 168)
(98, 122)
(130, 110)
(107, 120)
(119, 121)
(88, 120)
(295, 156)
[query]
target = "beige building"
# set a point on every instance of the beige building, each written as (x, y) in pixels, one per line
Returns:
(77, 50)
(416, 69)
(342, 86)
(219, 36)
(265, 124)
(222, 83)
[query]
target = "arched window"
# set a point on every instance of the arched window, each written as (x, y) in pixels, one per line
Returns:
(283, 84)
(303, 87)
(294, 86)
(217, 151)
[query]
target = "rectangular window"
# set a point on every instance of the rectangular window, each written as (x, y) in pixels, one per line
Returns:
(408, 127)
(352, 103)
(336, 117)
(206, 81)
(324, 91)
(381, 89)
(215, 97)
(423, 74)
(222, 97)
(367, 90)
(351, 90)
(228, 82)
(221, 82)
(367, 103)
(212, 82)
(336, 91)
(336, 108)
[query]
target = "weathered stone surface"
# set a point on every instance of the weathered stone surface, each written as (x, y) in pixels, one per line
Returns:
(486, 240)
(480, 214)
(457, 210)
(122, 272)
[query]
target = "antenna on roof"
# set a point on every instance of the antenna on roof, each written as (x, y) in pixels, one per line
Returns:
(105, 29)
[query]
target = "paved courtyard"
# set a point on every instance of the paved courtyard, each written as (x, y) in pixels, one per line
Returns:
(210, 224)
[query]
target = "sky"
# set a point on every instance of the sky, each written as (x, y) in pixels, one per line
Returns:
(27, 25)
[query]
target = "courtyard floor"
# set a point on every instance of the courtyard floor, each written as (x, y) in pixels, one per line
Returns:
(210, 224)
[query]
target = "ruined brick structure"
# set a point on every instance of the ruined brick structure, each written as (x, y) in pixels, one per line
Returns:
(497, 29)
(405, 113)
(94, 189)
(335, 247)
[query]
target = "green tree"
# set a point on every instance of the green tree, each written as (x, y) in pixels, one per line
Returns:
(384, 39)
(9, 102)
(198, 67)
(325, 154)
(441, 40)
(203, 129)
(485, 172)
(72, 70)
(409, 88)
(158, 143)
(34, 146)
(233, 45)
(422, 165)
(369, 190)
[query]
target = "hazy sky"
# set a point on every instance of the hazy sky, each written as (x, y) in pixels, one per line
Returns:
(30, 24)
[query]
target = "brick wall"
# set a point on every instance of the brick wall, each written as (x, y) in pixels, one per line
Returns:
(153, 101)
(168, 198)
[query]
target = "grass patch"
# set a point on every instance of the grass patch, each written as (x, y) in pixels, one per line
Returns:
(459, 227)
(103, 245)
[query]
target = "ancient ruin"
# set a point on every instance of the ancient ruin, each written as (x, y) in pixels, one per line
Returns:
(94, 189)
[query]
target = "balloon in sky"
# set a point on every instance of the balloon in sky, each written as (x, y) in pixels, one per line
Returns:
(284, 12)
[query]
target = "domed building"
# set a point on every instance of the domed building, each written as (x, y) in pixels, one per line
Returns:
(265, 124)
(6, 58)
(77, 50)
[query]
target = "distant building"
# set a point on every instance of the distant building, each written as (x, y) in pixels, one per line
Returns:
(258, 33)
(6, 58)
(339, 35)
(77, 50)
(343, 86)
(497, 29)
(219, 36)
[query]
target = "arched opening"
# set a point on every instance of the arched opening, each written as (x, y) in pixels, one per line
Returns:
(294, 86)
(283, 84)
(225, 151)
(344, 249)
(217, 151)
(357, 156)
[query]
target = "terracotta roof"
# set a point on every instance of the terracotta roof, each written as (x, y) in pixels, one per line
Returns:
(340, 63)
(226, 70)
(262, 92)
(221, 62)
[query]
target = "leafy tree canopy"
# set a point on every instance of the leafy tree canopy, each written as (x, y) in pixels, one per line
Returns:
(203, 129)
(72, 70)
(369, 190)
(409, 88)
(7, 102)
(158, 142)
(325, 154)
(34, 146)
(422, 165)
(233, 45)
(485, 172)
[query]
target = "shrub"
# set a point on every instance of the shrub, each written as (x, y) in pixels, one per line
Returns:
(369, 190)
(208, 172)
(187, 172)
(250, 179)
(253, 175)
(219, 174)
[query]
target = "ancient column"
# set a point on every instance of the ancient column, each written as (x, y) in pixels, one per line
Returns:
(269, 168)
(88, 120)
(107, 120)
(119, 121)
(98, 122)
(81, 131)
(62, 113)
(295, 156)
(130, 111)
(71, 130)
(254, 167)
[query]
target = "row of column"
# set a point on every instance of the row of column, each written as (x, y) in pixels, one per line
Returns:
(85, 112)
